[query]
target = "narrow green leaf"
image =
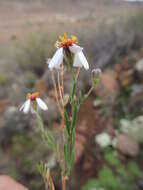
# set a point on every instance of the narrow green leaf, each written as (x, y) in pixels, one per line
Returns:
(72, 157)
(65, 153)
(73, 137)
(72, 94)
(74, 117)
(67, 122)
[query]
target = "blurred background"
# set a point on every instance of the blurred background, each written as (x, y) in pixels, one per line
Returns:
(109, 137)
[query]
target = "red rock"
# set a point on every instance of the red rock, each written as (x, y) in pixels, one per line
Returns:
(3, 105)
(108, 86)
(110, 130)
(127, 145)
(109, 80)
(7, 183)
(79, 149)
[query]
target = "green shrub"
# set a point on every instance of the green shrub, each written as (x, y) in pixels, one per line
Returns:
(29, 79)
(33, 52)
(3, 79)
(25, 151)
(115, 175)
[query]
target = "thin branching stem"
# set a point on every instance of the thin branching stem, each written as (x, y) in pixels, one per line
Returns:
(60, 91)
(56, 93)
(63, 182)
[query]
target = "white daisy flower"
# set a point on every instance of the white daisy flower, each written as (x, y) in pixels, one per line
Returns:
(65, 42)
(29, 104)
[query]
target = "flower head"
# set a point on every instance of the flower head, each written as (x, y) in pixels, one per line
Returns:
(32, 103)
(32, 96)
(65, 41)
(68, 43)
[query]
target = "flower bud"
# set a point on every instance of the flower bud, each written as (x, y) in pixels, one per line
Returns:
(96, 76)
(96, 72)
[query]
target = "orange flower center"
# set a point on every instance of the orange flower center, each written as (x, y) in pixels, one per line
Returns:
(33, 96)
(65, 41)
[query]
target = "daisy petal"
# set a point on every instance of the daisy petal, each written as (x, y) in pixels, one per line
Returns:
(80, 60)
(41, 104)
(75, 48)
(57, 59)
(27, 106)
(21, 108)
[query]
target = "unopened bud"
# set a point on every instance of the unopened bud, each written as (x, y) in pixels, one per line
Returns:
(96, 72)
(96, 76)
(66, 99)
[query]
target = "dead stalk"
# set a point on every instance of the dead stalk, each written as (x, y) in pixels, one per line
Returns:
(62, 77)
(63, 182)
(56, 93)
(60, 91)
(89, 92)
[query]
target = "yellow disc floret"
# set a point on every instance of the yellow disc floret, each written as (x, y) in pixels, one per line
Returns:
(65, 41)
(32, 96)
